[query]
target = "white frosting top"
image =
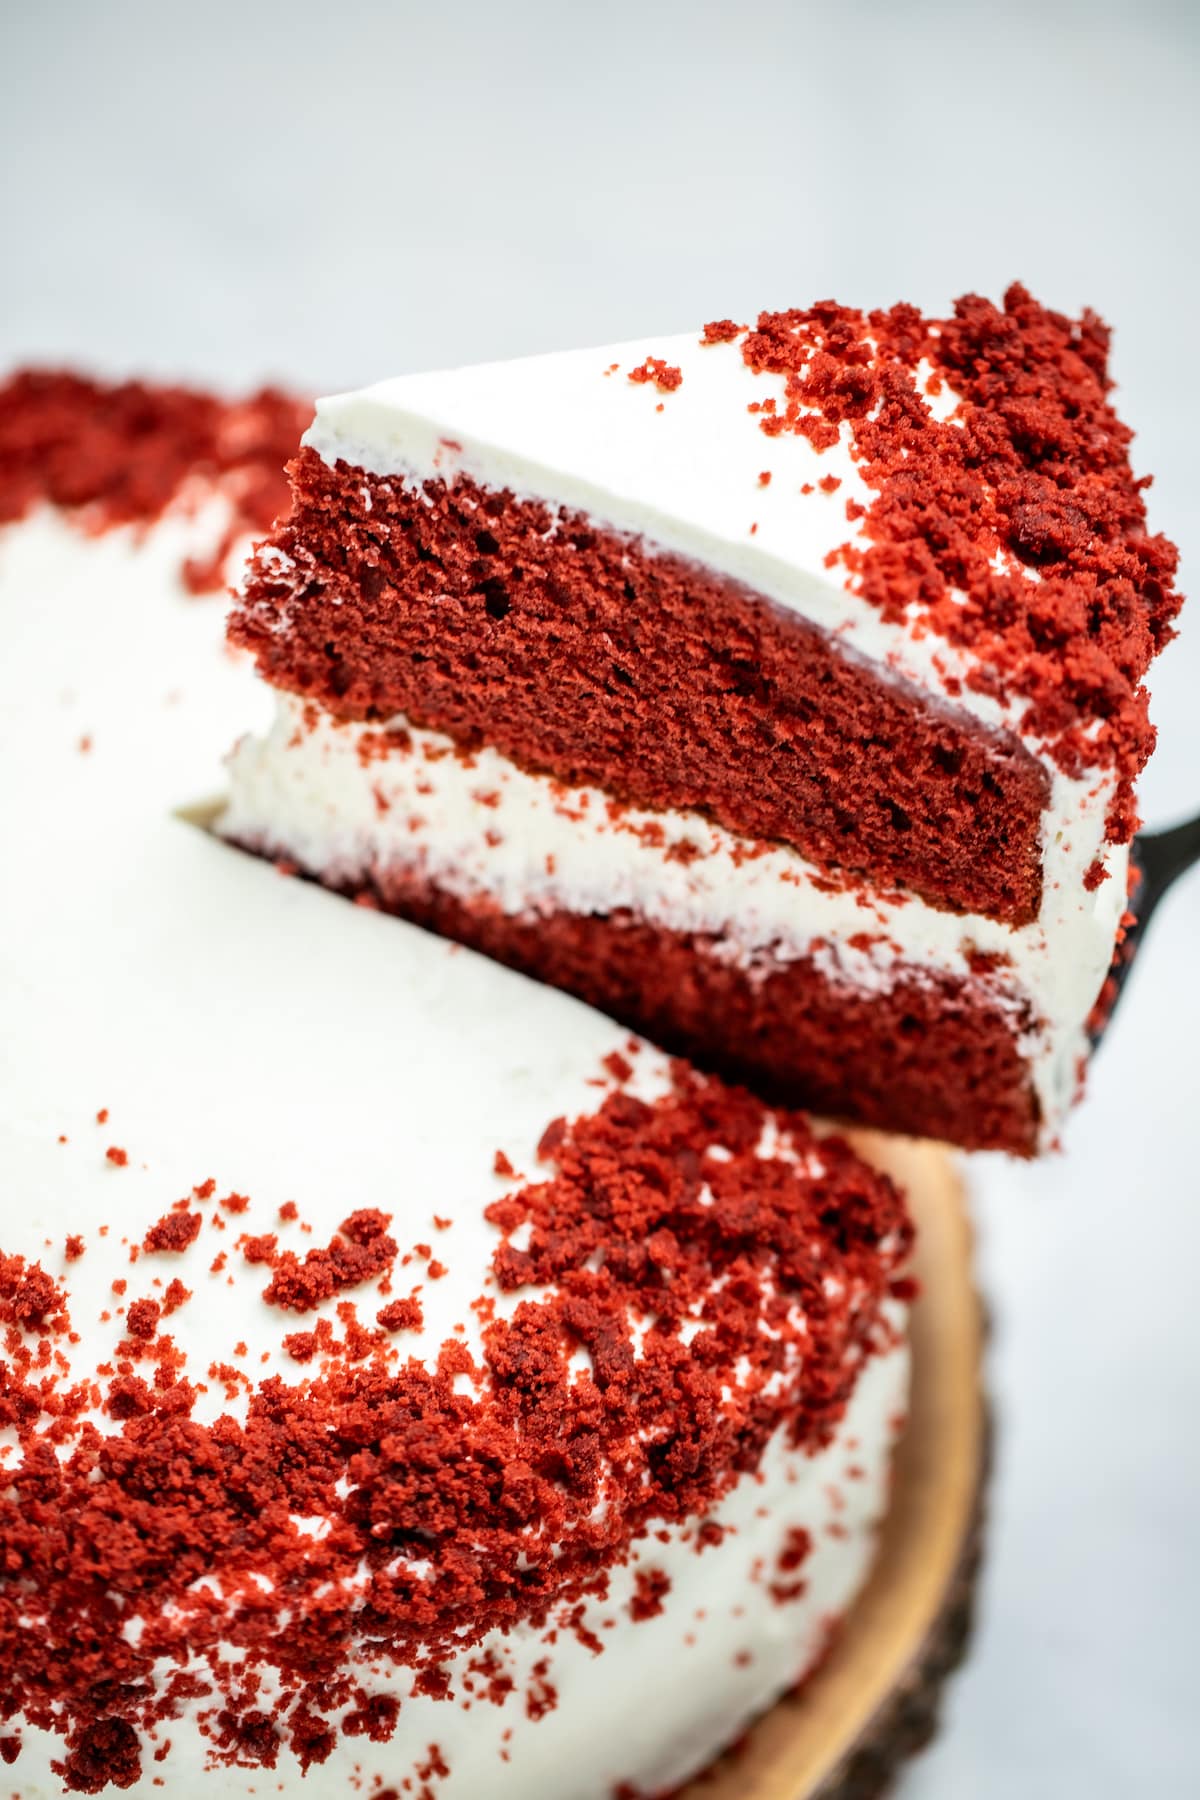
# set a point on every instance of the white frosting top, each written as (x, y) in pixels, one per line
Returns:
(263, 1033)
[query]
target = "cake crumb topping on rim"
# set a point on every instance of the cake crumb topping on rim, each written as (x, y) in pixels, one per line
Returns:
(666, 1312)
(1014, 528)
(122, 453)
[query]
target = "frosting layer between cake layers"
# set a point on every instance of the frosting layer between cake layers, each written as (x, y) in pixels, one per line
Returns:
(307, 1242)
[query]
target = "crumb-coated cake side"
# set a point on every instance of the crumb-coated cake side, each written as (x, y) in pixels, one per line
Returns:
(405, 1372)
(850, 611)
(123, 454)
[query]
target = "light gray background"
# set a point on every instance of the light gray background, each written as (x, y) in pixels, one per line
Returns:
(333, 193)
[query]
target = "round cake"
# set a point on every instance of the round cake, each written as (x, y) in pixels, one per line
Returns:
(412, 1384)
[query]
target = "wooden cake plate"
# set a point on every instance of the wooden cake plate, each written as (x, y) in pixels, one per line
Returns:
(874, 1701)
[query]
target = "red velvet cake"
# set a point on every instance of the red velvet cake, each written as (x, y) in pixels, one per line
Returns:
(404, 1373)
(777, 689)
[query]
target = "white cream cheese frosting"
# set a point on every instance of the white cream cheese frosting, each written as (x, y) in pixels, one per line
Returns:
(232, 1025)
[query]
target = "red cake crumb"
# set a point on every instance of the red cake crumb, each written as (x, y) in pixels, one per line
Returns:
(797, 1548)
(541, 1696)
(665, 376)
(401, 1315)
(175, 1232)
(121, 454)
(251, 1737)
(176, 1296)
(435, 1767)
(650, 1589)
(721, 331)
(361, 1251)
(29, 1298)
(537, 1481)
(105, 1754)
(74, 1248)
(374, 1718)
(102, 1116)
(550, 1139)
(142, 1319)
(116, 1155)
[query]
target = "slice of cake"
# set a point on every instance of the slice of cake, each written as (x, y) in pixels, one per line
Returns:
(777, 689)
(406, 1379)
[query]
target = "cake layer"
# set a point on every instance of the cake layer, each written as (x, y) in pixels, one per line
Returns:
(404, 1374)
(586, 654)
(733, 950)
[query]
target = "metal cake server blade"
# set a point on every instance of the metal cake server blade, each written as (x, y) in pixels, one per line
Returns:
(1158, 859)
